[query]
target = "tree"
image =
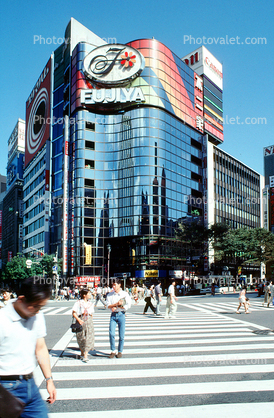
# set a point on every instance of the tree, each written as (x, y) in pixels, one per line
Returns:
(16, 269)
(47, 263)
(194, 238)
(242, 246)
(261, 246)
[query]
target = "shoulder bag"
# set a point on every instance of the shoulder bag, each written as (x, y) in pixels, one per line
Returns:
(75, 326)
(10, 406)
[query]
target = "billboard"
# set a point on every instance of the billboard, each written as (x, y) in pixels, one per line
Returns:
(203, 62)
(38, 114)
(141, 72)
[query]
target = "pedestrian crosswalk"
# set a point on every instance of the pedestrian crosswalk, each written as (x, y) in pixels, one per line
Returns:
(230, 306)
(212, 306)
(201, 364)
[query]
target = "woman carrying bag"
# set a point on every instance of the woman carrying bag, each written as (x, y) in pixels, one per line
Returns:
(82, 311)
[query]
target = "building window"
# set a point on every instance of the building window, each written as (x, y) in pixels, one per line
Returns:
(90, 126)
(89, 164)
(90, 145)
(89, 183)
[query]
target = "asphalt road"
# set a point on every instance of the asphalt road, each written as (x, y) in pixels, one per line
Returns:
(207, 362)
(57, 325)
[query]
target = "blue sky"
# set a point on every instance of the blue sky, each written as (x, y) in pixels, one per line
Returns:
(247, 62)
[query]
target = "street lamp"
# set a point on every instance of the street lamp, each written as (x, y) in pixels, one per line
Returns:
(109, 250)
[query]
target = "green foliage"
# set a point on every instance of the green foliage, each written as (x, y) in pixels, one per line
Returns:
(234, 247)
(242, 246)
(192, 232)
(47, 262)
(194, 238)
(17, 268)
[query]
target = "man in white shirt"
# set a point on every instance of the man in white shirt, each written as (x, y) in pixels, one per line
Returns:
(118, 301)
(22, 343)
(171, 305)
(158, 295)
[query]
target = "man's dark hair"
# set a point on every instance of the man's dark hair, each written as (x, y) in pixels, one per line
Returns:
(35, 289)
(118, 281)
(84, 292)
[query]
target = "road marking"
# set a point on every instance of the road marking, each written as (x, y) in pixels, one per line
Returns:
(54, 353)
(56, 311)
(236, 410)
(170, 372)
(143, 391)
(230, 358)
(181, 349)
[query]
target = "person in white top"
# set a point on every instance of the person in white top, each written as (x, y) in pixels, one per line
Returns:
(22, 343)
(99, 297)
(82, 311)
(242, 300)
(171, 305)
(158, 295)
(270, 300)
(118, 301)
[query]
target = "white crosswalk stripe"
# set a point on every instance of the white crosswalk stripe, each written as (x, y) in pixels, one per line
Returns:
(212, 306)
(193, 366)
(228, 307)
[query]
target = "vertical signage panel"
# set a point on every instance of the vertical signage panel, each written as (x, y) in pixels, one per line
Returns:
(65, 204)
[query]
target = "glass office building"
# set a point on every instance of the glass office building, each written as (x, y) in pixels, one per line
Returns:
(120, 158)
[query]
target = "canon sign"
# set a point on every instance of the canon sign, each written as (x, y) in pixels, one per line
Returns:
(213, 67)
(113, 65)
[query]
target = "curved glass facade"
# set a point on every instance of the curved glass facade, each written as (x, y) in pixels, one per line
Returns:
(132, 163)
(133, 174)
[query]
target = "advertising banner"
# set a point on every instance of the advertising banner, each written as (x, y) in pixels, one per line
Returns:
(81, 280)
(38, 114)
(119, 76)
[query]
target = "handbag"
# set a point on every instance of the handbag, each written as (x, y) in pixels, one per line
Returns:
(10, 406)
(75, 327)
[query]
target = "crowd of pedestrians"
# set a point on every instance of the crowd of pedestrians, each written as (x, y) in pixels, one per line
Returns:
(20, 351)
(23, 329)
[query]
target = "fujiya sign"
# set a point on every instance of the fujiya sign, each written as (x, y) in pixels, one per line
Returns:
(114, 95)
(113, 64)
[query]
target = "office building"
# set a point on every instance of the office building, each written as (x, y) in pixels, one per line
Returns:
(12, 216)
(116, 143)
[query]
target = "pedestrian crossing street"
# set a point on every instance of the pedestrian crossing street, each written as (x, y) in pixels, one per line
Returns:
(212, 306)
(201, 364)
